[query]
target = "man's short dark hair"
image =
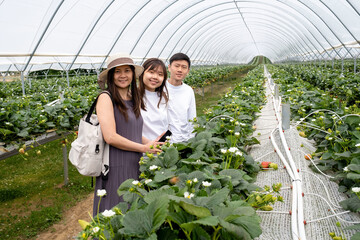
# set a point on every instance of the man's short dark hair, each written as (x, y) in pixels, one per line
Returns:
(180, 56)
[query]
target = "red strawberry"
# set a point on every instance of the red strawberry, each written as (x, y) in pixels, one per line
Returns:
(265, 164)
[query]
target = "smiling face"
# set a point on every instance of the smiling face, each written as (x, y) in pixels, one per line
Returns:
(123, 75)
(153, 78)
(178, 71)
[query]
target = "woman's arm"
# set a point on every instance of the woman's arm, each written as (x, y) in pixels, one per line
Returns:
(105, 113)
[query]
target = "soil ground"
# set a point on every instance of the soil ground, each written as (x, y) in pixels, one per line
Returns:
(68, 228)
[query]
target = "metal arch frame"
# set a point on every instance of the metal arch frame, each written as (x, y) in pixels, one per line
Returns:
(341, 21)
(201, 27)
(149, 24)
(271, 48)
(245, 46)
(225, 38)
(193, 25)
(315, 25)
(206, 55)
(283, 32)
(296, 19)
(121, 32)
(247, 27)
(42, 36)
(353, 7)
(286, 29)
(298, 23)
(199, 35)
(90, 32)
(210, 47)
(216, 52)
(296, 52)
(295, 41)
(206, 32)
(188, 7)
(211, 36)
(226, 3)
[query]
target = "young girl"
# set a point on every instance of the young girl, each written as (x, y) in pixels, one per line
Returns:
(121, 124)
(155, 96)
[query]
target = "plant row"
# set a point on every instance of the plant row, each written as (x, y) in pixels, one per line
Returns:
(342, 85)
(200, 77)
(201, 189)
(334, 127)
(25, 117)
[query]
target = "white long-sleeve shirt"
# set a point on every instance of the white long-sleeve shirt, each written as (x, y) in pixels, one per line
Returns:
(155, 119)
(181, 109)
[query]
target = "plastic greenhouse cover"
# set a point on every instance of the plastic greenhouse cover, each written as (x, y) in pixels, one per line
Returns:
(68, 34)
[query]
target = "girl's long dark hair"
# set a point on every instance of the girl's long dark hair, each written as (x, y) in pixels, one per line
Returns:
(116, 97)
(151, 64)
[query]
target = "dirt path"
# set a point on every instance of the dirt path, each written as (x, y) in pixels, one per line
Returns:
(68, 228)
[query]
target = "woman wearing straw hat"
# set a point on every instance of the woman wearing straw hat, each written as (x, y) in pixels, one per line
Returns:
(121, 124)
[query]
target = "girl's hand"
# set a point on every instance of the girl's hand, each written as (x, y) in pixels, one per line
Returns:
(151, 147)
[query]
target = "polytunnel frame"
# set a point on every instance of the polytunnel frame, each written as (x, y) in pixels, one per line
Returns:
(150, 22)
(322, 20)
(284, 32)
(300, 13)
(200, 28)
(285, 3)
(220, 11)
(223, 38)
(176, 16)
(121, 32)
(240, 50)
(204, 32)
(292, 46)
(297, 20)
(212, 43)
(300, 36)
(197, 32)
(199, 35)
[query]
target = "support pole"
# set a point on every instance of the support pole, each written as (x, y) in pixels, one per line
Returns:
(285, 116)
(22, 82)
(67, 78)
(65, 159)
(354, 65)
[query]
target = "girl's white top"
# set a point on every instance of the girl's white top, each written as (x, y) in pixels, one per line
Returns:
(182, 108)
(155, 118)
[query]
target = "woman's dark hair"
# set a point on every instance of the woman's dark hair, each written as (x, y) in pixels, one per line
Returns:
(151, 64)
(117, 99)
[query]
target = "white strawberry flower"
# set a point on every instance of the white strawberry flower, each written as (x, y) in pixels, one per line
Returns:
(206, 184)
(153, 167)
(101, 192)
(147, 181)
(108, 213)
(188, 195)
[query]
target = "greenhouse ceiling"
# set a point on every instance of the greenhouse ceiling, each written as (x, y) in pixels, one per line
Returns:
(68, 34)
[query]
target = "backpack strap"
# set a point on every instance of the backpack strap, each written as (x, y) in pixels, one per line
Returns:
(92, 108)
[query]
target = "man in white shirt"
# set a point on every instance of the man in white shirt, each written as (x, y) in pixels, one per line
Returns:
(181, 105)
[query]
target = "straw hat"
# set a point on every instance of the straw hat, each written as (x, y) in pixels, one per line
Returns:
(115, 61)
